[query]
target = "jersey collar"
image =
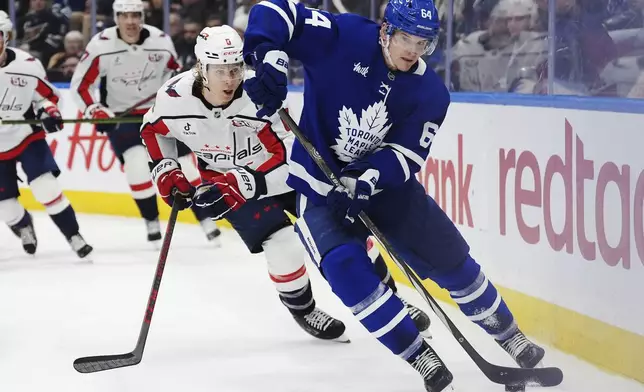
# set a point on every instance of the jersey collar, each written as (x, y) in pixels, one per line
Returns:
(10, 56)
(142, 37)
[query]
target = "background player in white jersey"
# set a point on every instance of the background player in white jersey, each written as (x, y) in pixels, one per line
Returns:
(26, 94)
(129, 62)
(243, 162)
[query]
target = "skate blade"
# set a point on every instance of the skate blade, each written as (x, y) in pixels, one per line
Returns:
(215, 243)
(427, 334)
(342, 339)
(156, 245)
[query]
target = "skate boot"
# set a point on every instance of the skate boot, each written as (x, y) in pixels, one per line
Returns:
(322, 326)
(154, 230)
(78, 244)
(435, 374)
(420, 318)
(524, 352)
(209, 227)
(25, 231)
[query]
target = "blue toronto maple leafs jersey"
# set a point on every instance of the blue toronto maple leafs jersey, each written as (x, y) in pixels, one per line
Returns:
(355, 108)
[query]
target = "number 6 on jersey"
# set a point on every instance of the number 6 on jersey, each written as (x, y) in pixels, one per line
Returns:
(429, 131)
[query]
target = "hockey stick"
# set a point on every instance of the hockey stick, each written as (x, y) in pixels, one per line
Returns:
(545, 377)
(120, 118)
(107, 362)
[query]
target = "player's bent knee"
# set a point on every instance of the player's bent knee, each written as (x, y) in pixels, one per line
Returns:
(11, 211)
(48, 192)
(350, 273)
(462, 276)
(137, 172)
(345, 263)
(285, 259)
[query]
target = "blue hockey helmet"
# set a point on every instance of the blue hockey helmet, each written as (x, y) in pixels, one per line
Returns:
(415, 17)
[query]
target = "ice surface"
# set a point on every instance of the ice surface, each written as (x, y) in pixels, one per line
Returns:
(218, 324)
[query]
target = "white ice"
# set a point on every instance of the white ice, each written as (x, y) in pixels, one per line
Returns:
(218, 325)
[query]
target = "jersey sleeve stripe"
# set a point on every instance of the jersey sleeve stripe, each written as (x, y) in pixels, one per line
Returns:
(46, 91)
(173, 64)
(149, 134)
(407, 153)
(281, 12)
(403, 163)
(274, 146)
(88, 79)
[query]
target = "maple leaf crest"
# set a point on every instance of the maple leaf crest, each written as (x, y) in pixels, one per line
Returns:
(356, 138)
(348, 122)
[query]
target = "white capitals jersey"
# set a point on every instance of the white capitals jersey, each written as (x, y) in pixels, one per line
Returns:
(127, 73)
(24, 90)
(221, 137)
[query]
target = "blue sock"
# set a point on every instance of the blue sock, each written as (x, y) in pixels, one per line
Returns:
(353, 279)
(148, 208)
(66, 222)
(478, 299)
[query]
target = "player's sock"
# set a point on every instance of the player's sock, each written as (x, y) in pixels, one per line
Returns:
(68, 225)
(150, 212)
(299, 302)
(420, 318)
(208, 225)
(477, 297)
(351, 275)
(66, 222)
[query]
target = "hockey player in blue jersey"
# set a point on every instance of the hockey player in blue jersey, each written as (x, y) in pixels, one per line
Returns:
(372, 108)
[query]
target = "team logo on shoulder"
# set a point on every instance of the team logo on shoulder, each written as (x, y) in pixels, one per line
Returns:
(360, 136)
(18, 81)
(203, 36)
(155, 57)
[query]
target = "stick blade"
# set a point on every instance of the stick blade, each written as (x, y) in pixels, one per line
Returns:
(105, 362)
(542, 377)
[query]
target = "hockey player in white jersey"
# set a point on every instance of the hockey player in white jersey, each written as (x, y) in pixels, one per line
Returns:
(122, 66)
(26, 94)
(243, 162)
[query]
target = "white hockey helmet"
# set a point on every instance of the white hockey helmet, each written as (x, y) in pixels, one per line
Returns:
(6, 28)
(219, 45)
(127, 6)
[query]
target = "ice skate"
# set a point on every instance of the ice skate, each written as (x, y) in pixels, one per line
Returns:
(435, 374)
(78, 244)
(523, 351)
(154, 230)
(322, 326)
(25, 231)
(420, 318)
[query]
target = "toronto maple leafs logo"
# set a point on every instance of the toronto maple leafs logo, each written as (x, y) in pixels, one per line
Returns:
(360, 136)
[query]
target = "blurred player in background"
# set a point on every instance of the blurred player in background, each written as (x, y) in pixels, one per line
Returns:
(26, 94)
(129, 62)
